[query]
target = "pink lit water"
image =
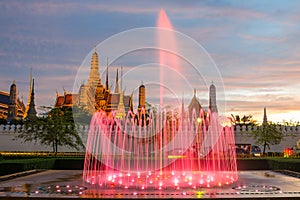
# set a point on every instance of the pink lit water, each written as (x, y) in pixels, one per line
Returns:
(168, 60)
(124, 154)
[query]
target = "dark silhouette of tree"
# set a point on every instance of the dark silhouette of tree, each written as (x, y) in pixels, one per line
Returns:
(57, 129)
(267, 135)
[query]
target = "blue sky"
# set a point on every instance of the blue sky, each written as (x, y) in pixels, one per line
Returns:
(255, 45)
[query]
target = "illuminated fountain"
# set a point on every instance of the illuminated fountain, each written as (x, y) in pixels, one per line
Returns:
(169, 151)
(161, 149)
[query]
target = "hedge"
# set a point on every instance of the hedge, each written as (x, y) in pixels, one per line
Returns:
(292, 164)
(14, 166)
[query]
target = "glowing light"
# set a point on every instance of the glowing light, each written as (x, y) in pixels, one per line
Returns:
(199, 120)
(199, 194)
(176, 181)
(176, 156)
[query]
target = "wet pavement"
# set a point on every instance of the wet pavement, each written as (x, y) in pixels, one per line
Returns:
(68, 183)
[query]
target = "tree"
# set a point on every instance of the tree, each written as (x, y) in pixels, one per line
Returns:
(267, 135)
(245, 120)
(57, 129)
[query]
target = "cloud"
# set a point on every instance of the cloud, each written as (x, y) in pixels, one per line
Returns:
(270, 39)
(187, 11)
(257, 64)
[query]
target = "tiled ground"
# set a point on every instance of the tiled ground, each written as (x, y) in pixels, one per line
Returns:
(69, 184)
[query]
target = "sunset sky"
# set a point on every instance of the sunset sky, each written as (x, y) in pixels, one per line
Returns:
(254, 44)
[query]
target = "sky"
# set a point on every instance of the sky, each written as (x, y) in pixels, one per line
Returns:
(254, 45)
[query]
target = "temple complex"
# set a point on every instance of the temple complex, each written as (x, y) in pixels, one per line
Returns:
(94, 96)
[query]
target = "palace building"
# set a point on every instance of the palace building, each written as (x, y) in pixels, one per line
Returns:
(94, 96)
(13, 108)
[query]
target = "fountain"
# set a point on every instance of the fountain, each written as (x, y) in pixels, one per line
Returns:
(197, 152)
(161, 149)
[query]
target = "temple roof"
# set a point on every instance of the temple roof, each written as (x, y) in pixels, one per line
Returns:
(115, 97)
(65, 100)
(59, 101)
(194, 104)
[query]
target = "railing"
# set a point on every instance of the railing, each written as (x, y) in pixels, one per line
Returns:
(249, 128)
(6, 129)
(237, 129)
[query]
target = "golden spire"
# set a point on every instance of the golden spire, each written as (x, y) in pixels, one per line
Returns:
(121, 109)
(29, 96)
(94, 77)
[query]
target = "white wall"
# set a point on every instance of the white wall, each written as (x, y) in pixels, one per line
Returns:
(8, 142)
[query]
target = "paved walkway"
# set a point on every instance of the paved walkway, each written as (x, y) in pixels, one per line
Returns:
(251, 184)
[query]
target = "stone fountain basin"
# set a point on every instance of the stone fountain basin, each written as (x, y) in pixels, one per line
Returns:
(250, 184)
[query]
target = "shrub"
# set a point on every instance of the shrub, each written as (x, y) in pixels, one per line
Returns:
(14, 166)
(287, 164)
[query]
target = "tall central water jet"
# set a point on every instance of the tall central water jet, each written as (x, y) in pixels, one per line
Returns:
(166, 40)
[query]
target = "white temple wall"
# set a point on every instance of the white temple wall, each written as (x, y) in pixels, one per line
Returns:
(8, 141)
(242, 135)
